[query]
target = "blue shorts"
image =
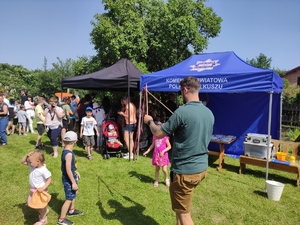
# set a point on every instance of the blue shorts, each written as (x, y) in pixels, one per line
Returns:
(69, 193)
(129, 127)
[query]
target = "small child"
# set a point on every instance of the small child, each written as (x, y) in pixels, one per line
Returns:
(112, 136)
(88, 124)
(15, 120)
(21, 114)
(70, 179)
(39, 179)
(160, 158)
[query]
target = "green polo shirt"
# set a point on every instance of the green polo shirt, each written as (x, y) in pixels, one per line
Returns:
(192, 126)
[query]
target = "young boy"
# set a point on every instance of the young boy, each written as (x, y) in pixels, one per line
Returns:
(21, 114)
(70, 179)
(88, 124)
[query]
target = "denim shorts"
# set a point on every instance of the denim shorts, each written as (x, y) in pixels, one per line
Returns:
(69, 193)
(129, 127)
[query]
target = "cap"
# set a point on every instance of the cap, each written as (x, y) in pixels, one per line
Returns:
(39, 200)
(70, 136)
(111, 126)
(95, 105)
(89, 109)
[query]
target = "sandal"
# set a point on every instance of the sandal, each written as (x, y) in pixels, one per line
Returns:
(167, 182)
(155, 184)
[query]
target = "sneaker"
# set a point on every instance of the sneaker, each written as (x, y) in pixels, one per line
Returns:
(167, 182)
(65, 222)
(75, 213)
(89, 157)
(127, 157)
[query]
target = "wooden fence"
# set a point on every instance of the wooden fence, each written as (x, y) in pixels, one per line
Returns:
(291, 115)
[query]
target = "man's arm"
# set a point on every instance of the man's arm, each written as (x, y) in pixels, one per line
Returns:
(155, 130)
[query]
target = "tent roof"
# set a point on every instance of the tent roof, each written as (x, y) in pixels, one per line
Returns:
(115, 77)
(218, 72)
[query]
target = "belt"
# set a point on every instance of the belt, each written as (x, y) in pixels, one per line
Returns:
(3, 117)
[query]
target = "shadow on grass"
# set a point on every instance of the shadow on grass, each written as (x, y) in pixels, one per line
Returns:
(126, 215)
(141, 177)
(261, 193)
(30, 215)
(55, 204)
(261, 174)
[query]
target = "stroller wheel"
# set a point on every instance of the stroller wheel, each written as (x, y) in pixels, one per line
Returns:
(119, 155)
(105, 156)
(108, 156)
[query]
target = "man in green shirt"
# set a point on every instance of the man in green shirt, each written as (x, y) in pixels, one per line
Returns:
(192, 126)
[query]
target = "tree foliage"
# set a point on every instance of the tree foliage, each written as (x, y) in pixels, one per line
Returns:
(154, 33)
(261, 61)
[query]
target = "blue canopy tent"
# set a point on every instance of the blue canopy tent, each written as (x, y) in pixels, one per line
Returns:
(244, 99)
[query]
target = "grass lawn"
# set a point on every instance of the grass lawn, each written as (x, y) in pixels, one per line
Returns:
(118, 191)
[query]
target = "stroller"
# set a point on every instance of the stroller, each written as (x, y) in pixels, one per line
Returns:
(107, 147)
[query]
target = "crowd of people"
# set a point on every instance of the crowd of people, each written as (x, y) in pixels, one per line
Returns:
(189, 162)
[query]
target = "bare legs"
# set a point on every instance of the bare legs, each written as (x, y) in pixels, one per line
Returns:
(128, 138)
(184, 219)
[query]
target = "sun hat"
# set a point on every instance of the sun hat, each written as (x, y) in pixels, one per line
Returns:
(89, 109)
(111, 126)
(95, 105)
(70, 136)
(39, 200)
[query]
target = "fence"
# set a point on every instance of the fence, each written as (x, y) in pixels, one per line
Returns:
(291, 115)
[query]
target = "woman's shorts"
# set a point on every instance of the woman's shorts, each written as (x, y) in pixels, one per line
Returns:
(40, 128)
(129, 127)
(181, 190)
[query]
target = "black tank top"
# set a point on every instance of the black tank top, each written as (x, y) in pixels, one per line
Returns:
(1, 110)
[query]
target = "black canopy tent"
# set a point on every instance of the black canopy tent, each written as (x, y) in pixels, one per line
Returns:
(121, 76)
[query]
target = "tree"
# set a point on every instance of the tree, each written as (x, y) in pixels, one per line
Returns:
(154, 33)
(261, 61)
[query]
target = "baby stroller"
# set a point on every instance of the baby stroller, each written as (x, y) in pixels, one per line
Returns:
(107, 147)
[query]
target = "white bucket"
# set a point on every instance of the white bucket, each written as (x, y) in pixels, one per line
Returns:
(274, 189)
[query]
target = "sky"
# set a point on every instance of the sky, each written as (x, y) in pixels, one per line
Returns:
(32, 30)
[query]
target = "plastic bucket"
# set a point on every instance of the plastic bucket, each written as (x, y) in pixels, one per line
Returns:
(274, 190)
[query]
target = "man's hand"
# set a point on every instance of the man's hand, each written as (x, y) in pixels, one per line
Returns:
(147, 118)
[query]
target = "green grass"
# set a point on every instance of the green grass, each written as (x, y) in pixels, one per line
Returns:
(117, 191)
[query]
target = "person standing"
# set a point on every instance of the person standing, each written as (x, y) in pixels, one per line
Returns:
(29, 107)
(53, 120)
(70, 178)
(21, 114)
(23, 96)
(160, 157)
(66, 118)
(3, 120)
(87, 133)
(192, 126)
(171, 105)
(39, 179)
(40, 119)
(129, 115)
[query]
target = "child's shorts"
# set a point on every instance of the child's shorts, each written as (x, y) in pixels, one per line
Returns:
(69, 193)
(22, 124)
(88, 140)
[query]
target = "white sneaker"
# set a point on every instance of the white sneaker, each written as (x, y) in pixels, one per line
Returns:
(127, 157)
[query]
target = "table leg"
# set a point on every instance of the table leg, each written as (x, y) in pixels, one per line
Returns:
(221, 156)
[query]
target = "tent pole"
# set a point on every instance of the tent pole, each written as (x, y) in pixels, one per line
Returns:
(129, 101)
(280, 121)
(139, 127)
(269, 136)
